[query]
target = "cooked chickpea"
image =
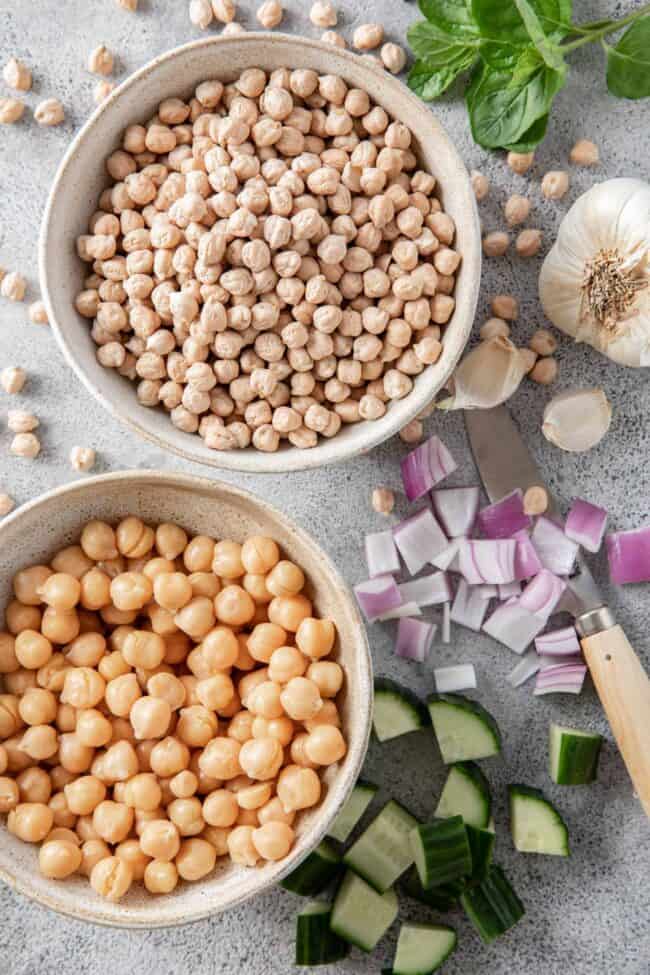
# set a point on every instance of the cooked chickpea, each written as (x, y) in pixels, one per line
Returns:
(220, 758)
(160, 876)
(150, 717)
(555, 184)
(30, 821)
(58, 859)
(160, 839)
(112, 820)
(83, 687)
(196, 726)
(298, 788)
(240, 846)
(111, 878)
(325, 745)
(84, 794)
(328, 677)
(92, 851)
(259, 555)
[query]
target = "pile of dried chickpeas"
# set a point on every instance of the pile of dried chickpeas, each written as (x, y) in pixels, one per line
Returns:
(269, 262)
(168, 700)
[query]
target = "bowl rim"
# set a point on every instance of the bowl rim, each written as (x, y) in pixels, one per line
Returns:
(370, 433)
(203, 484)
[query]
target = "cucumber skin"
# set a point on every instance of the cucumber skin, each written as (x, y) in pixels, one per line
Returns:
(529, 792)
(473, 771)
(577, 759)
(492, 906)
(443, 898)
(481, 844)
(314, 873)
(442, 832)
(313, 932)
(467, 704)
(385, 684)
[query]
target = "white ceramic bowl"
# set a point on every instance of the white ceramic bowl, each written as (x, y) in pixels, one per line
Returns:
(82, 177)
(38, 529)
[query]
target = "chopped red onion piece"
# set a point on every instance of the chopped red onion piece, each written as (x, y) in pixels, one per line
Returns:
(487, 590)
(491, 560)
(585, 524)
(448, 560)
(456, 509)
(556, 551)
(381, 554)
(377, 596)
(469, 607)
(460, 677)
(629, 556)
(563, 679)
(527, 666)
(507, 590)
(513, 626)
(425, 467)
(419, 539)
(414, 638)
(428, 590)
(558, 643)
(545, 662)
(406, 609)
(505, 517)
(542, 594)
(527, 561)
(446, 623)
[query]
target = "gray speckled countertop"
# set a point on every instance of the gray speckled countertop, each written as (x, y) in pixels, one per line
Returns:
(585, 916)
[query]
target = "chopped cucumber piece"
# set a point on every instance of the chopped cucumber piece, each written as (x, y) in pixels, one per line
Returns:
(316, 943)
(466, 793)
(481, 844)
(573, 755)
(352, 810)
(422, 948)
(315, 872)
(383, 852)
(441, 851)
(492, 906)
(397, 711)
(464, 729)
(359, 914)
(443, 898)
(536, 825)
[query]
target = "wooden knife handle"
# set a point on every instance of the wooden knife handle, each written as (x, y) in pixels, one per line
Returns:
(624, 690)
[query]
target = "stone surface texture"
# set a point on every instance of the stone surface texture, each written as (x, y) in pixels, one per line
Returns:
(589, 915)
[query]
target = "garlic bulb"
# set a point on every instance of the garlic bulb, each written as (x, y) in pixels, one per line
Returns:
(487, 376)
(595, 281)
(577, 420)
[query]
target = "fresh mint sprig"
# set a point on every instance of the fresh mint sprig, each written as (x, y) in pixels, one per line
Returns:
(514, 52)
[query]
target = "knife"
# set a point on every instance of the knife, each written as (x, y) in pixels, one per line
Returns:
(622, 684)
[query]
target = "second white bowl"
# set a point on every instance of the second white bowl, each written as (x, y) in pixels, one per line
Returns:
(82, 177)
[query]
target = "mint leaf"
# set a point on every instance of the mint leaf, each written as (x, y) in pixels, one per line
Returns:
(450, 16)
(528, 62)
(501, 115)
(501, 21)
(430, 80)
(530, 139)
(549, 51)
(429, 44)
(628, 63)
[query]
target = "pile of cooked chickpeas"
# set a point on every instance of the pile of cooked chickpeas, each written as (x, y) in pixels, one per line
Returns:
(168, 700)
(269, 262)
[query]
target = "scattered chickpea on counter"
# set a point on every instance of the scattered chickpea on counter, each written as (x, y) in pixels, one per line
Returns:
(520, 162)
(383, 500)
(169, 701)
(367, 37)
(17, 75)
(584, 153)
(480, 185)
(323, 14)
(224, 10)
(555, 184)
(270, 14)
(496, 243)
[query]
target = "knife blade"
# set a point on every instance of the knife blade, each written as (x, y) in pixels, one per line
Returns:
(621, 682)
(504, 463)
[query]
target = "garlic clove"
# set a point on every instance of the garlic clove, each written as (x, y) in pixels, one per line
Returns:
(487, 376)
(612, 218)
(577, 420)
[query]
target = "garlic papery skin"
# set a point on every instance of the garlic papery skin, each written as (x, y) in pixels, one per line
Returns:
(577, 420)
(595, 281)
(487, 376)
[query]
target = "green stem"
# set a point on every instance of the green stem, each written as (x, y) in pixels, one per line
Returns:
(607, 28)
